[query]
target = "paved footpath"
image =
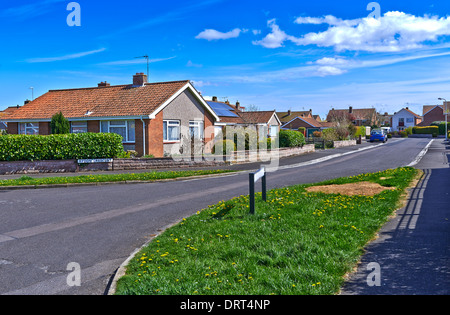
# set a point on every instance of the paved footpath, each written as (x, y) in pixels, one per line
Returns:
(411, 255)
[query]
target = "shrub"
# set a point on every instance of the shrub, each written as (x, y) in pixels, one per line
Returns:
(317, 134)
(228, 146)
(433, 130)
(59, 124)
(291, 138)
(265, 144)
(389, 135)
(409, 130)
(361, 131)
(60, 147)
(403, 134)
(342, 133)
(330, 134)
(302, 130)
(241, 134)
(441, 126)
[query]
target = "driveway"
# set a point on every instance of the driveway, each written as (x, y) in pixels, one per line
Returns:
(42, 231)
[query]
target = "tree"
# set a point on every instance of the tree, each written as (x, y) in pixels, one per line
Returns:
(59, 124)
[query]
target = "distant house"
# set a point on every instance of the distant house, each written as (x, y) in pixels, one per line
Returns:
(404, 118)
(358, 116)
(432, 113)
(152, 118)
(285, 117)
(309, 123)
(266, 123)
(5, 113)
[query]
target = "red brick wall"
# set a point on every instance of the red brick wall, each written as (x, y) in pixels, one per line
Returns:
(13, 128)
(436, 114)
(44, 128)
(93, 126)
(209, 132)
(296, 124)
(153, 136)
(154, 141)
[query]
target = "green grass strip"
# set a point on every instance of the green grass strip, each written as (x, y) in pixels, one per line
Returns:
(296, 243)
(148, 176)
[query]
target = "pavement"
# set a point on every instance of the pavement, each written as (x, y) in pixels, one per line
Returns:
(411, 254)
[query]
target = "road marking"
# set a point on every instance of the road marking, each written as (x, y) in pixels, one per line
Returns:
(421, 154)
(323, 159)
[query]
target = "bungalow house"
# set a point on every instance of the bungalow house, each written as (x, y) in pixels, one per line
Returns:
(309, 123)
(152, 118)
(285, 117)
(432, 113)
(404, 118)
(266, 123)
(4, 114)
(358, 116)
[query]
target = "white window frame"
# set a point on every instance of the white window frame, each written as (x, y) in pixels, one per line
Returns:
(197, 124)
(125, 124)
(166, 125)
(24, 127)
(80, 125)
(273, 131)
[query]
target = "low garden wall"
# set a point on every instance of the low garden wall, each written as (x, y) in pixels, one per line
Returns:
(344, 143)
(255, 156)
(73, 166)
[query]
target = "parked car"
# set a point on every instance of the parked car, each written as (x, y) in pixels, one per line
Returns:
(378, 135)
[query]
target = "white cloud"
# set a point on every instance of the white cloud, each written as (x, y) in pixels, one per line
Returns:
(332, 61)
(193, 65)
(274, 39)
(329, 70)
(393, 32)
(210, 34)
(65, 57)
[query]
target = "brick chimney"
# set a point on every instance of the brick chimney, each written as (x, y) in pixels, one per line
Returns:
(139, 79)
(350, 109)
(238, 105)
(214, 98)
(103, 84)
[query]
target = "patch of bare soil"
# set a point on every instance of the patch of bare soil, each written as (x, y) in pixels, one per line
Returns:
(360, 188)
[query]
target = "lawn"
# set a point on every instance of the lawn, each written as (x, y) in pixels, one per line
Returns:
(102, 178)
(298, 242)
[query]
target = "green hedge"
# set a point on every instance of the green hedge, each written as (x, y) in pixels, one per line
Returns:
(441, 126)
(60, 147)
(291, 138)
(429, 130)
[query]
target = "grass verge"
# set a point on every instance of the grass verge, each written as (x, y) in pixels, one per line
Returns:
(298, 242)
(148, 176)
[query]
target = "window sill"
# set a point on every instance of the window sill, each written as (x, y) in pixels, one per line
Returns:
(171, 142)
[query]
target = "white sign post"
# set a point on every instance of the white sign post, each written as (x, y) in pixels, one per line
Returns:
(254, 177)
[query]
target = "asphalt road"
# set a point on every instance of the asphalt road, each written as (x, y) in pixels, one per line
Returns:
(97, 227)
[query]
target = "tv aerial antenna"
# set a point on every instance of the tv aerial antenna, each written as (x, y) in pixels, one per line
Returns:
(148, 60)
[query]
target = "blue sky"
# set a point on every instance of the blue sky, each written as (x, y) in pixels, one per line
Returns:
(282, 55)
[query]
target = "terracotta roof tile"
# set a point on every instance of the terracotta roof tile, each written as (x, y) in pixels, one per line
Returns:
(110, 101)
